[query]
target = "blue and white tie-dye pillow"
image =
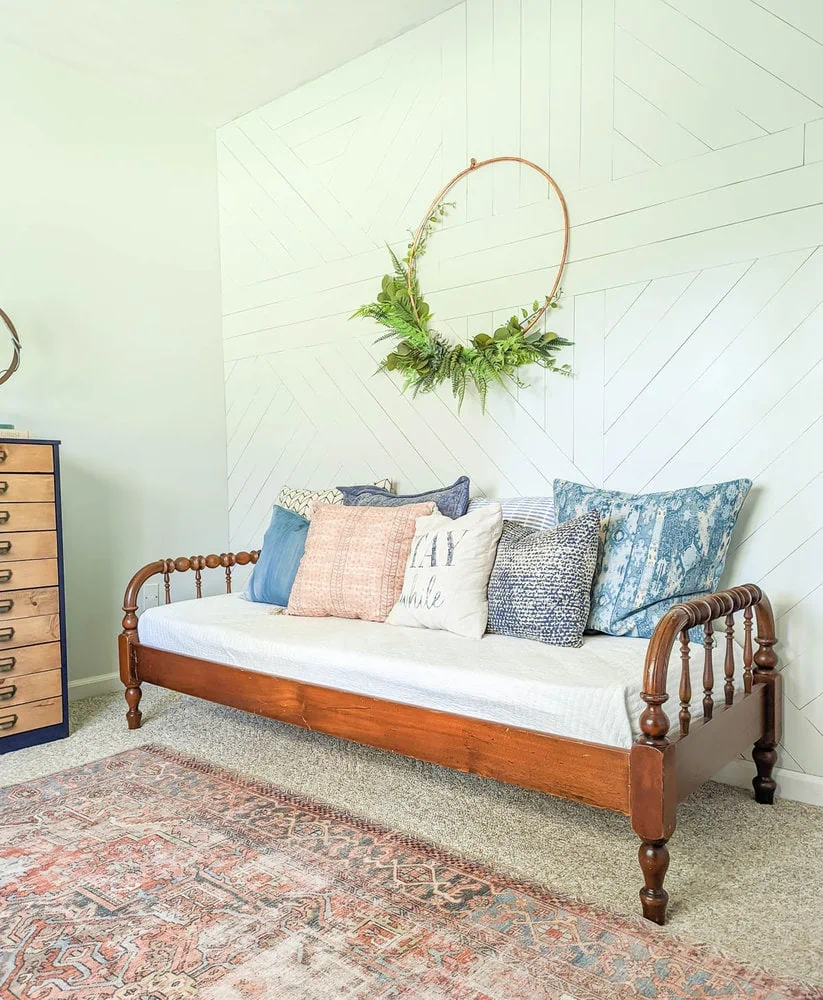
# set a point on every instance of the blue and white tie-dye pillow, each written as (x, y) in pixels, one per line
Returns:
(657, 549)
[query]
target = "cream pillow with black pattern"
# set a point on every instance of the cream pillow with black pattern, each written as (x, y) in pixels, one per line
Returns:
(301, 501)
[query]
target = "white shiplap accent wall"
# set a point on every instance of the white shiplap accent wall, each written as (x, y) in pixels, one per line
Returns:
(688, 138)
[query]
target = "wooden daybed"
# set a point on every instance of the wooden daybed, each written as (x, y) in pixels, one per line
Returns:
(645, 782)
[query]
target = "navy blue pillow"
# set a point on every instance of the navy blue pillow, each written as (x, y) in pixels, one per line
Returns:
(283, 544)
(453, 501)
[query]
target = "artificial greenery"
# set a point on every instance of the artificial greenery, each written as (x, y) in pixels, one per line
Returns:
(426, 359)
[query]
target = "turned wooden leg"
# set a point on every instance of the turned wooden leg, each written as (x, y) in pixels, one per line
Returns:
(654, 860)
(765, 757)
(134, 715)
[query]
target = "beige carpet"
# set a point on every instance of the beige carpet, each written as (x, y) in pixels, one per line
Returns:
(743, 877)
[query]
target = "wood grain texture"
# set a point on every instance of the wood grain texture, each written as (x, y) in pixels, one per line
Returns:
(28, 631)
(25, 718)
(28, 545)
(17, 487)
(22, 574)
(33, 667)
(16, 691)
(27, 517)
(584, 772)
(25, 457)
(714, 743)
(29, 603)
(30, 659)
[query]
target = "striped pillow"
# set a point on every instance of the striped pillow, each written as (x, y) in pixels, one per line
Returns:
(534, 512)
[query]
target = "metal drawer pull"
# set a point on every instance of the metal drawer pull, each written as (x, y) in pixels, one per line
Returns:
(5, 516)
(3, 454)
(6, 694)
(6, 575)
(8, 721)
(4, 487)
(6, 634)
(5, 547)
(6, 606)
(8, 664)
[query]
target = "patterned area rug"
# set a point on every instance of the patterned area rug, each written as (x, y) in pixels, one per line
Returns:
(152, 876)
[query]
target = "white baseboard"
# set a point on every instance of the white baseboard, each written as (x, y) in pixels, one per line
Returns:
(90, 687)
(790, 784)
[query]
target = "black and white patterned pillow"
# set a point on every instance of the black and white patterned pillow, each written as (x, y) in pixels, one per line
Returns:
(540, 586)
(301, 501)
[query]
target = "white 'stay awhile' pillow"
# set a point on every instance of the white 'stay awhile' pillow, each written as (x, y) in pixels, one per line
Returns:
(445, 585)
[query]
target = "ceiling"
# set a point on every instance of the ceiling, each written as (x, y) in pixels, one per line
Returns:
(213, 59)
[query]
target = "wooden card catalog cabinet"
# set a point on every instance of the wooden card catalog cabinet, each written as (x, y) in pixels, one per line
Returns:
(33, 705)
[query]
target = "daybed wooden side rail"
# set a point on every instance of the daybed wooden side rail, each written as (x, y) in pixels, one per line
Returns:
(646, 782)
(128, 637)
(665, 770)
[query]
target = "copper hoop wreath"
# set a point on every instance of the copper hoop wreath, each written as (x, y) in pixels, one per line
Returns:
(475, 165)
(15, 342)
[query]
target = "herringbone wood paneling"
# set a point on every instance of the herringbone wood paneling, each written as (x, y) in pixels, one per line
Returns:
(688, 137)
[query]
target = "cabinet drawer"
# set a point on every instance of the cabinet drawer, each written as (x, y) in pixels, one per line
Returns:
(28, 631)
(27, 517)
(30, 687)
(28, 545)
(34, 715)
(29, 603)
(27, 573)
(26, 458)
(30, 660)
(26, 489)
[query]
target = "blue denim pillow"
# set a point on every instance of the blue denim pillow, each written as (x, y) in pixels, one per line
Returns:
(453, 501)
(657, 549)
(541, 584)
(273, 575)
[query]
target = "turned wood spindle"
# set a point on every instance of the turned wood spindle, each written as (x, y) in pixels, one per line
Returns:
(167, 587)
(198, 587)
(728, 666)
(228, 579)
(685, 684)
(747, 650)
(708, 671)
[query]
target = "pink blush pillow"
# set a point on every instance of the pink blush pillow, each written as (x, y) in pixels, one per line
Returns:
(354, 561)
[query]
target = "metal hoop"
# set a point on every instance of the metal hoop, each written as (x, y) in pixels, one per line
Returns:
(15, 340)
(475, 165)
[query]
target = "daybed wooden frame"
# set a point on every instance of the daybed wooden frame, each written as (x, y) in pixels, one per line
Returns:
(645, 783)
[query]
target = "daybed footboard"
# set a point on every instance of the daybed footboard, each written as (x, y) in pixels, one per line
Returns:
(666, 768)
(128, 637)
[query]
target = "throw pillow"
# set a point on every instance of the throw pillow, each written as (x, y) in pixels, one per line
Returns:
(534, 512)
(453, 501)
(274, 572)
(354, 561)
(445, 585)
(658, 549)
(540, 586)
(301, 501)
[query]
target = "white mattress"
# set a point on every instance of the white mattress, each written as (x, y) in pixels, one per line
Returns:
(591, 693)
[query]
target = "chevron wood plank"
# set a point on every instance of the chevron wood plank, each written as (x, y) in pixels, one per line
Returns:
(730, 76)
(693, 292)
(678, 96)
(535, 90)
(771, 43)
